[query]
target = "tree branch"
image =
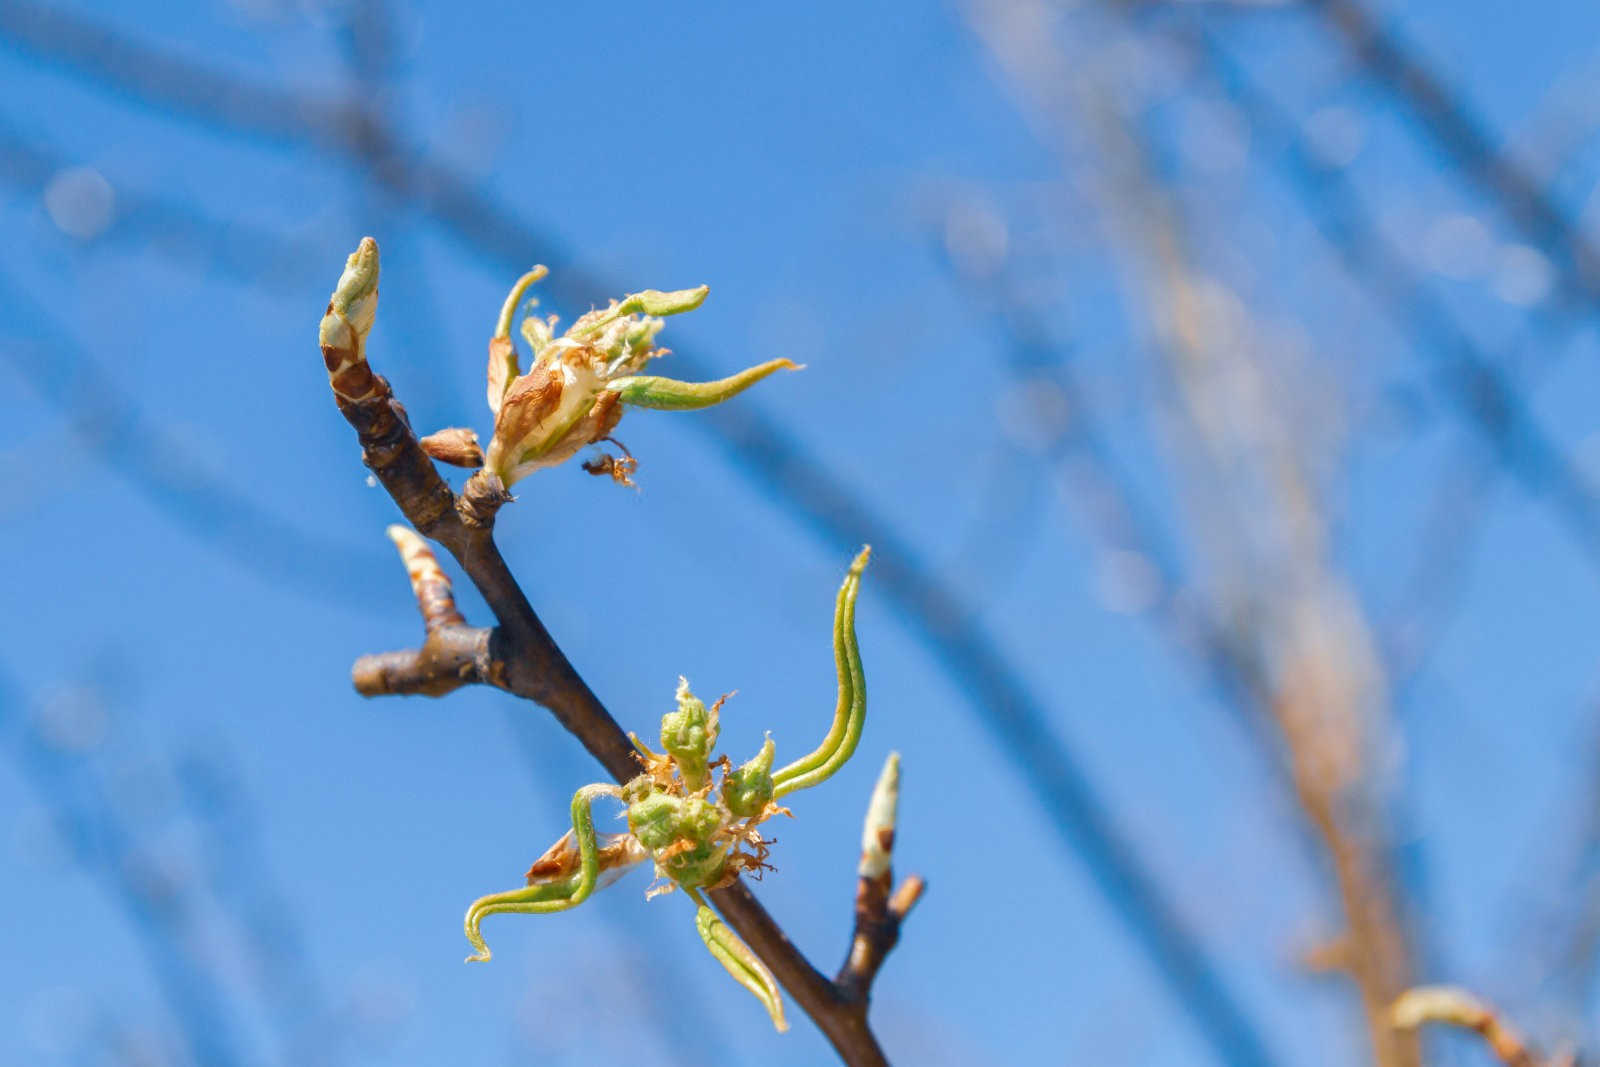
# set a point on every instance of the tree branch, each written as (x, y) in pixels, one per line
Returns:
(449, 659)
(519, 655)
(454, 654)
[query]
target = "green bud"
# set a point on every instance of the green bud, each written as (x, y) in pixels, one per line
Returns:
(654, 820)
(351, 311)
(689, 735)
(355, 297)
(702, 865)
(748, 790)
(699, 819)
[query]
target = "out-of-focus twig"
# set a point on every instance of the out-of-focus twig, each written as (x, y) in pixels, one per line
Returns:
(1456, 1007)
(1325, 687)
(1478, 390)
(164, 471)
(160, 911)
(1444, 118)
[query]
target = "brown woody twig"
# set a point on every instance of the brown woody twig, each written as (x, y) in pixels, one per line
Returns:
(453, 653)
(521, 657)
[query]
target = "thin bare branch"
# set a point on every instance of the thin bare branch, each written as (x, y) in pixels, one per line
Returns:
(1323, 695)
(523, 657)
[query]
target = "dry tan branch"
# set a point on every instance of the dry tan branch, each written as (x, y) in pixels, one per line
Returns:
(1457, 1007)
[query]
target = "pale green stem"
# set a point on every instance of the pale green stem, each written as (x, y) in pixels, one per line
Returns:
(735, 956)
(850, 712)
(502, 326)
(669, 394)
(549, 896)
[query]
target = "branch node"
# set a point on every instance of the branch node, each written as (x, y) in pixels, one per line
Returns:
(481, 499)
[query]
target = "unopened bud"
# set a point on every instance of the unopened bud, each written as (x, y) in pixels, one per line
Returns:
(456, 446)
(748, 790)
(877, 834)
(351, 312)
(689, 734)
(654, 820)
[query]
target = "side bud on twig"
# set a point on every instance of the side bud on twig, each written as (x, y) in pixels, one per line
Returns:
(436, 599)
(455, 446)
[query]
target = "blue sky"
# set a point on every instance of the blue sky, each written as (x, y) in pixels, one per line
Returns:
(196, 557)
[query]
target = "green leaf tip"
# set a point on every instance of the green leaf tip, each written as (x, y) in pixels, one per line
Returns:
(850, 711)
(656, 302)
(668, 394)
(508, 311)
(744, 965)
